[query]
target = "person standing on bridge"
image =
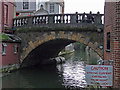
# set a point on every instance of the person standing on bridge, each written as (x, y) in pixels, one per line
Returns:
(84, 18)
(90, 18)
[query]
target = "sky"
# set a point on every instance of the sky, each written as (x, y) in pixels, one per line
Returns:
(80, 6)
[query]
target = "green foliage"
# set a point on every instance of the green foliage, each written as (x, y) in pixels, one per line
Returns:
(5, 37)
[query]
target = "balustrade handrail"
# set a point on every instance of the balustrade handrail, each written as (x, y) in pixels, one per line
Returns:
(18, 17)
(58, 18)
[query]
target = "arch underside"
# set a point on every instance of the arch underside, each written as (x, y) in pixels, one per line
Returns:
(46, 51)
(42, 49)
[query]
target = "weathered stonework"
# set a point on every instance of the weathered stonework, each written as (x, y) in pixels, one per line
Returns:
(45, 37)
(43, 40)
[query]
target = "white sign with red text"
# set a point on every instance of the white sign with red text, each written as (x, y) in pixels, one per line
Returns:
(99, 75)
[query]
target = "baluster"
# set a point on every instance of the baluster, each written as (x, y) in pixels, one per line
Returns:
(60, 19)
(69, 18)
(44, 19)
(26, 21)
(15, 23)
(55, 19)
(34, 20)
(79, 18)
(40, 19)
(18, 22)
(47, 20)
(37, 19)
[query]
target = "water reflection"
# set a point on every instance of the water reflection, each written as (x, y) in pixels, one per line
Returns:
(37, 77)
(71, 74)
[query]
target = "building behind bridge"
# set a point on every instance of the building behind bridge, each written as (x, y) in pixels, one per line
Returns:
(10, 45)
(28, 7)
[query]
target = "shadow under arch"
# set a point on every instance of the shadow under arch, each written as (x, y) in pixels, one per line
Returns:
(51, 44)
(45, 51)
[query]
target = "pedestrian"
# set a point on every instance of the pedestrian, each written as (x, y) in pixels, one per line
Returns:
(90, 18)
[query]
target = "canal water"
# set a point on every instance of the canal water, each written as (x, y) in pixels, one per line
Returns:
(70, 74)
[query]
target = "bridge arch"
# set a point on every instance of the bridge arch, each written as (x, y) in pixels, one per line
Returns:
(63, 37)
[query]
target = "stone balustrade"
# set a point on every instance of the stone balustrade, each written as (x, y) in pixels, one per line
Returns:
(76, 18)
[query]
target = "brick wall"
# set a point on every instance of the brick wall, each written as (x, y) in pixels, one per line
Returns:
(116, 45)
(0, 31)
(10, 13)
(10, 57)
(112, 25)
(0, 16)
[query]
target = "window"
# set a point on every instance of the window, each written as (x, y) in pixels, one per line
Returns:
(5, 14)
(15, 48)
(25, 4)
(3, 48)
(51, 8)
(108, 40)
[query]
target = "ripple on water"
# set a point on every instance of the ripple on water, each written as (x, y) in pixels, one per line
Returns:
(74, 74)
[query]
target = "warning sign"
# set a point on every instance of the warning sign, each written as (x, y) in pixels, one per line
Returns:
(99, 75)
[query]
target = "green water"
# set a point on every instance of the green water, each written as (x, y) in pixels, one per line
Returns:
(71, 74)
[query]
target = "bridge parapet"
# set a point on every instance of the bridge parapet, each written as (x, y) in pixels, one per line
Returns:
(58, 19)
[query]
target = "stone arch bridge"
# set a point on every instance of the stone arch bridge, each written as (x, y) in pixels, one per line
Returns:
(44, 36)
